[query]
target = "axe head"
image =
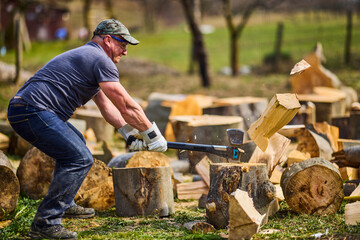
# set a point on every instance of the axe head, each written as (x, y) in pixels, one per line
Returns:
(235, 136)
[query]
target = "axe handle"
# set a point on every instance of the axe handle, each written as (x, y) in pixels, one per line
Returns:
(223, 151)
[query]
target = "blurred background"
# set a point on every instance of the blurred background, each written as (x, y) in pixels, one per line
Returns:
(222, 48)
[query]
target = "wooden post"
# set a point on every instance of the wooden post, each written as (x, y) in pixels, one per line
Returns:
(143, 191)
(225, 178)
(9, 185)
(313, 186)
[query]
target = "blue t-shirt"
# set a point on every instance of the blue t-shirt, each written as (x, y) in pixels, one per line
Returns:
(69, 80)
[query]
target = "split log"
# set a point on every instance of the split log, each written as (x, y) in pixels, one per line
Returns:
(315, 144)
(291, 131)
(35, 175)
(276, 174)
(143, 191)
(244, 219)
(191, 190)
(273, 153)
(331, 133)
(296, 156)
(9, 185)
(316, 75)
(18, 145)
(349, 173)
(280, 110)
(354, 124)
(191, 105)
(327, 106)
(103, 130)
(313, 186)
(198, 226)
(4, 143)
(356, 192)
(306, 114)
(204, 129)
(225, 178)
(352, 213)
(97, 190)
(203, 169)
(348, 157)
(249, 108)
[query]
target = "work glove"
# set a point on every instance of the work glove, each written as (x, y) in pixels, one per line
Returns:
(154, 139)
(138, 144)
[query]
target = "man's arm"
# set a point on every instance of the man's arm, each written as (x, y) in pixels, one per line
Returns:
(119, 108)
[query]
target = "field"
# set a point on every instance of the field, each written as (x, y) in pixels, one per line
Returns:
(170, 48)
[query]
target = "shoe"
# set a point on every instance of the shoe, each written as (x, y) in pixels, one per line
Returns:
(77, 211)
(53, 232)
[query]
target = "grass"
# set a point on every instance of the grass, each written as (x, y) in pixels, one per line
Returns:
(285, 224)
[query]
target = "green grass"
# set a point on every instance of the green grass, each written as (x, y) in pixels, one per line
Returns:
(107, 225)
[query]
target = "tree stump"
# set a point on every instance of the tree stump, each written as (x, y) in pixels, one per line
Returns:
(313, 186)
(9, 185)
(143, 191)
(225, 178)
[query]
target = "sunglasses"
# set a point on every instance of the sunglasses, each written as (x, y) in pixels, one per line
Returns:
(120, 40)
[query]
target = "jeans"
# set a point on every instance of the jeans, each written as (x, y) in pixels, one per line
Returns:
(61, 141)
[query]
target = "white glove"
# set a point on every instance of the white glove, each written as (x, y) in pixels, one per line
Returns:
(154, 140)
(137, 145)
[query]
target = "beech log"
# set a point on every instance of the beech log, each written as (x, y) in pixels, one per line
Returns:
(9, 185)
(313, 186)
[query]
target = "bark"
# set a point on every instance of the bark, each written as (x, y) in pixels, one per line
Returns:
(143, 191)
(9, 185)
(225, 178)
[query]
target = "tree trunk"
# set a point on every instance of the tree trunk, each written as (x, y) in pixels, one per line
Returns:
(18, 49)
(234, 52)
(277, 48)
(9, 185)
(86, 16)
(313, 186)
(143, 191)
(349, 23)
(200, 51)
(225, 178)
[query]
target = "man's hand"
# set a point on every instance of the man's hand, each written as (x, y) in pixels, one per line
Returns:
(137, 144)
(154, 139)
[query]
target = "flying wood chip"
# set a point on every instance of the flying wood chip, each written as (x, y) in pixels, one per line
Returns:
(300, 67)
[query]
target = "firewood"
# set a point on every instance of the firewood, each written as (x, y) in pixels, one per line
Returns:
(199, 226)
(203, 169)
(35, 174)
(316, 75)
(225, 178)
(315, 144)
(191, 190)
(9, 185)
(348, 157)
(244, 219)
(4, 143)
(249, 108)
(291, 131)
(280, 110)
(296, 156)
(276, 174)
(273, 153)
(143, 191)
(313, 186)
(356, 192)
(331, 132)
(191, 105)
(349, 173)
(352, 213)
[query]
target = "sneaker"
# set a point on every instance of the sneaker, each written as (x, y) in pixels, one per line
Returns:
(53, 232)
(77, 211)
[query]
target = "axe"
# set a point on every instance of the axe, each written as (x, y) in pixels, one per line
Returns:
(235, 136)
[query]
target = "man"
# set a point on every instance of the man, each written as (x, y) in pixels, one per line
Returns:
(40, 109)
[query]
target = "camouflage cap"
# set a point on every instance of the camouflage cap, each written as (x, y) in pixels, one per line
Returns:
(112, 26)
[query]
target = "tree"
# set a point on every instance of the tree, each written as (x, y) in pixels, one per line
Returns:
(197, 42)
(245, 10)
